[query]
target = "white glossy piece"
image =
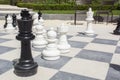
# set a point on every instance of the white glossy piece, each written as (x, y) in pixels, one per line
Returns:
(63, 44)
(9, 24)
(89, 19)
(39, 41)
(18, 16)
(51, 52)
(41, 20)
(35, 22)
(35, 17)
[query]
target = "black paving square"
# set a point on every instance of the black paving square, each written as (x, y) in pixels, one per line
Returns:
(55, 64)
(4, 49)
(2, 34)
(95, 55)
(5, 66)
(113, 72)
(117, 49)
(4, 40)
(69, 76)
(105, 41)
(81, 34)
(77, 44)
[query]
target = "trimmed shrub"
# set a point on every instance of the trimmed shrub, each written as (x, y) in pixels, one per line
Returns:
(4, 1)
(61, 6)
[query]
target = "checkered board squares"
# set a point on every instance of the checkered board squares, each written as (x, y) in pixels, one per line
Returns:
(91, 58)
(69, 76)
(93, 55)
(105, 41)
(93, 69)
(57, 64)
(113, 72)
(117, 50)
(5, 66)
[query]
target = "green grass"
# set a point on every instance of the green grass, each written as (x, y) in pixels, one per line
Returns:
(115, 12)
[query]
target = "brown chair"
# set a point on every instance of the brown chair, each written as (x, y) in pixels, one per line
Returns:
(106, 12)
(77, 2)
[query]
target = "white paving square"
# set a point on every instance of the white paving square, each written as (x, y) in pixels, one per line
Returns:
(88, 68)
(101, 47)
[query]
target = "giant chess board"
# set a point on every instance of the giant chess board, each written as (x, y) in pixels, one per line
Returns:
(91, 58)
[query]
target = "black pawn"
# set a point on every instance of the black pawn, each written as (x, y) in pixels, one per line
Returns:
(117, 30)
(39, 15)
(5, 25)
(25, 66)
(14, 23)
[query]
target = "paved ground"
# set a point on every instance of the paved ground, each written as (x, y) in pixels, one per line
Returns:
(91, 57)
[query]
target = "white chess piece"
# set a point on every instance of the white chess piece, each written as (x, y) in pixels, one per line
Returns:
(41, 20)
(63, 44)
(36, 21)
(18, 16)
(89, 19)
(45, 33)
(9, 27)
(51, 52)
(39, 41)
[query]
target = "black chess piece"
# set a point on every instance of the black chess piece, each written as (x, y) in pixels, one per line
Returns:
(39, 15)
(117, 30)
(14, 22)
(98, 18)
(5, 25)
(25, 66)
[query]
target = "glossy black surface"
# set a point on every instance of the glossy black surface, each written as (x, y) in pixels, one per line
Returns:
(25, 66)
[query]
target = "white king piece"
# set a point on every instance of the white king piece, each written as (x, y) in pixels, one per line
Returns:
(89, 19)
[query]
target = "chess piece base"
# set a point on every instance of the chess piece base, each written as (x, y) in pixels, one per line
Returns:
(64, 48)
(51, 52)
(51, 58)
(65, 51)
(25, 70)
(116, 32)
(37, 46)
(89, 32)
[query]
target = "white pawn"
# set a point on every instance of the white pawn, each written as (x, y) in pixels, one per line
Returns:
(89, 19)
(36, 21)
(63, 44)
(51, 52)
(40, 41)
(9, 27)
(41, 20)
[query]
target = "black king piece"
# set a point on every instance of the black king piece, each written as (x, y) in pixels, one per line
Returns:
(117, 30)
(25, 66)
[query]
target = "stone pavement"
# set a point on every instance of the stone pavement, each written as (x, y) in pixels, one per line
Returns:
(91, 57)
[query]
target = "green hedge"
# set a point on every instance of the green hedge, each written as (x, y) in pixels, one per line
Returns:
(4, 1)
(61, 6)
(47, 6)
